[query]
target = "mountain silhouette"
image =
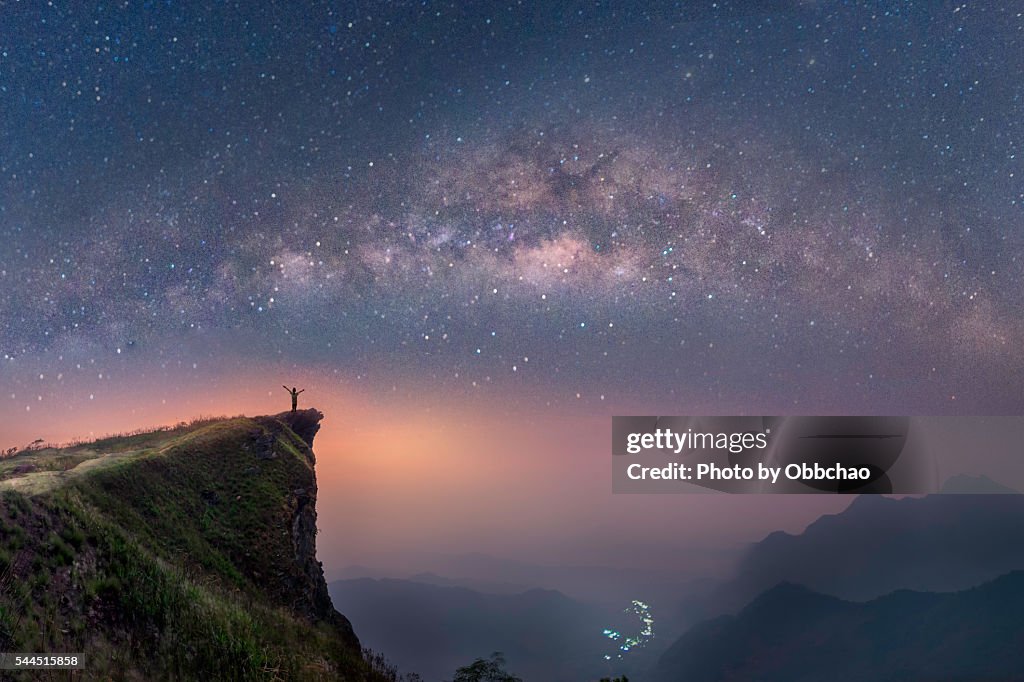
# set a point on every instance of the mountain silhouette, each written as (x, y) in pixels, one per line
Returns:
(880, 544)
(964, 484)
(790, 633)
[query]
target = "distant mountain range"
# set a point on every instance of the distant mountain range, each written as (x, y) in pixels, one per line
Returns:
(880, 544)
(965, 484)
(603, 585)
(434, 629)
(793, 634)
(832, 602)
(480, 585)
(488, 586)
(962, 553)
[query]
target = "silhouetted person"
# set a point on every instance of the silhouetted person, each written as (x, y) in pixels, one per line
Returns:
(295, 396)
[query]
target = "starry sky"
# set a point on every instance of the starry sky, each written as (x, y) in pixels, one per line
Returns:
(792, 205)
(506, 208)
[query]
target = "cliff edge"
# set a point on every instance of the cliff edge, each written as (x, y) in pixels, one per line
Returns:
(186, 553)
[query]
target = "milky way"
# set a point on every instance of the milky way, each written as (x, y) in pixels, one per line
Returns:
(789, 205)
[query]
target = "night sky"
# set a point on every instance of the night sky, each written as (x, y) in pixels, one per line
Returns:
(792, 206)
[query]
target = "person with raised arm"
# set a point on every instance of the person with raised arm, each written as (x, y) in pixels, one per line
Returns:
(295, 396)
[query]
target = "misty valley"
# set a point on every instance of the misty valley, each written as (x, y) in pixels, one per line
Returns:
(860, 580)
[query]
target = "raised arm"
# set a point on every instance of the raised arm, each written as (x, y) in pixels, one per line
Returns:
(287, 389)
(302, 391)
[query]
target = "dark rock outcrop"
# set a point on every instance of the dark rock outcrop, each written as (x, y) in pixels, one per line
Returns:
(305, 423)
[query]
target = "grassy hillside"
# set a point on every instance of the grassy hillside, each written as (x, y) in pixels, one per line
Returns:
(182, 554)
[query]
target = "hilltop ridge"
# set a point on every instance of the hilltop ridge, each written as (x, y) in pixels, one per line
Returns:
(168, 554)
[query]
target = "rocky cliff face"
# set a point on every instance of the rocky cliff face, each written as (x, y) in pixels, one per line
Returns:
(304, 423)
(308, 584)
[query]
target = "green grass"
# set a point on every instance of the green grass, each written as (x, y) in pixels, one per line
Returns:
(16, 503)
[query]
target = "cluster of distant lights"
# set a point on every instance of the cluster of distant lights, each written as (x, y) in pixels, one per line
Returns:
(643, 611)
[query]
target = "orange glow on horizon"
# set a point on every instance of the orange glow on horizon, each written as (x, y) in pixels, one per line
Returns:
(428, 471)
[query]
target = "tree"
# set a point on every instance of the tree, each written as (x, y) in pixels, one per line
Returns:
(483, 670)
